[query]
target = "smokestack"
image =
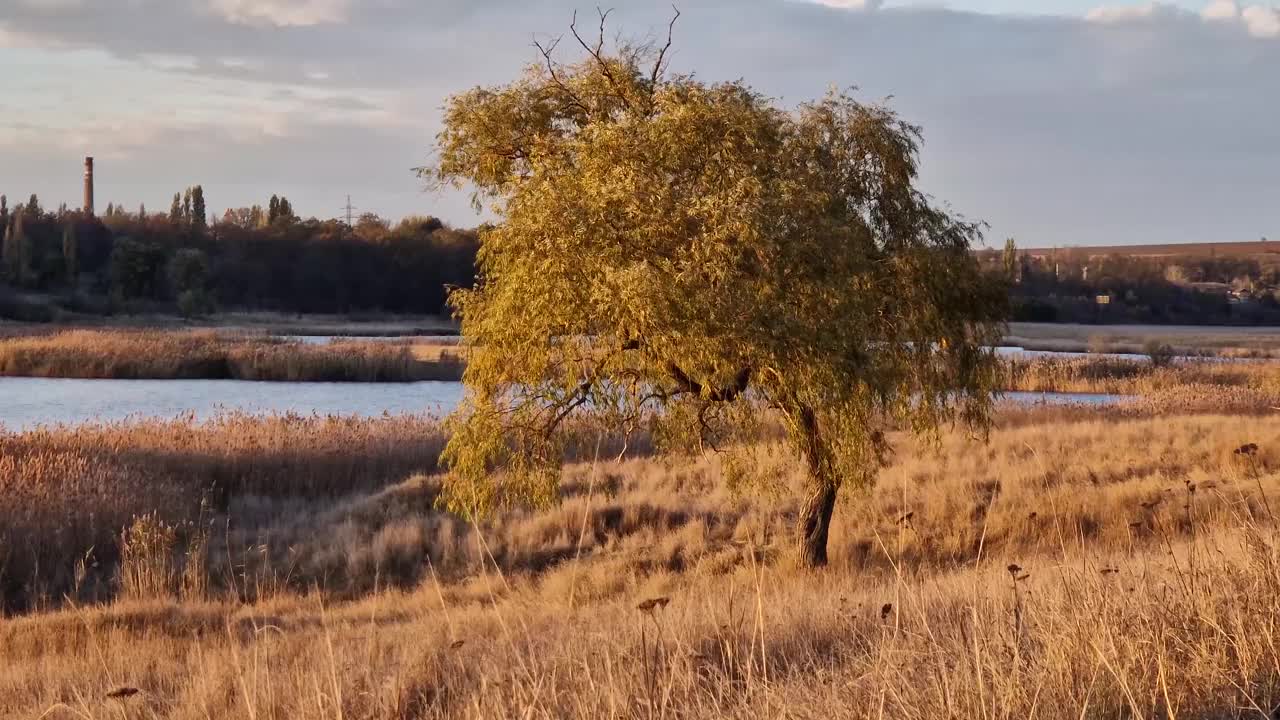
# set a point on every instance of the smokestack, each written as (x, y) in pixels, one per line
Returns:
(88, 185)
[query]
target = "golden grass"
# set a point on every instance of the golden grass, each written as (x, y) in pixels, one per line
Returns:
(1260, 342)
(1147, 583)
(165, 355)
(1186, 386)
(67, 493)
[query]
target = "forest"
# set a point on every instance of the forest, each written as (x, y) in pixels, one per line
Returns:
(58, 263)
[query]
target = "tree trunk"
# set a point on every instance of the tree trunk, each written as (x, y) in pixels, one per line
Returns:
(815, 521)
(820, 495)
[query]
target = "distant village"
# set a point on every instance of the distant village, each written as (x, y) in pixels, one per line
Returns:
(1203, 283)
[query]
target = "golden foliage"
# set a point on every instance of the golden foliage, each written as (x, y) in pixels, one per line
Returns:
(668, 247)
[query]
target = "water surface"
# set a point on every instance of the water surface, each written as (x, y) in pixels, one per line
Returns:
(27, 402)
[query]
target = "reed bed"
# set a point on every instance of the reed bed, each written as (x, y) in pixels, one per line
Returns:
(67, 493)
(1184, 386)
(166, 355)
(346, 506)
(1108, 569)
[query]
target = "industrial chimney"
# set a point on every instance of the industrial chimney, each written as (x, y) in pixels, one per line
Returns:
(88, 185)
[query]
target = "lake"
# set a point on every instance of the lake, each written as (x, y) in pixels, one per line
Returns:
(27, 402)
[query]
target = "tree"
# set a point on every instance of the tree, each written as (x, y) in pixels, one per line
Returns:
(186, 206)
(273, 210)
(9, 253)
(142, 211)
(175, 210)
(198, 217)
(189, 277)
(33, 206)
(135, 268)
(17, 250)
(4, 213)
(691, 258)
(284, 211)
(1011, 260)
(70, 253)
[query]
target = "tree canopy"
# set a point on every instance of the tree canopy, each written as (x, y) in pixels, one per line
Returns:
(689, 258)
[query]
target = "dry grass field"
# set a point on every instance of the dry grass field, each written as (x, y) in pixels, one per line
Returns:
(1178, 387)
(164, 355)
(1184, 339)
(1079, 563)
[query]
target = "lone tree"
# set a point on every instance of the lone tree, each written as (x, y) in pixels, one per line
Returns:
(688, 258)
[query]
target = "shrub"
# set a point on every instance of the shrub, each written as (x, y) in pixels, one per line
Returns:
(1160, 354)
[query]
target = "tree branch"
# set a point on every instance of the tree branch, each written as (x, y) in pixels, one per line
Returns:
(662, 54)
(595, 53)
(686, 384)
(555, 77)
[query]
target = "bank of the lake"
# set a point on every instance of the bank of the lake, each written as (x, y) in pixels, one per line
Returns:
(208, 355)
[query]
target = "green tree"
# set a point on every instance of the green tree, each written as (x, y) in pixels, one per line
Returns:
(8, 254)
(273, 210)
(142, 211)
(691, 257)
(4, 214)
(70, 253)
(198, 215)
(189, 278)
(33, 206)
(186, 206)
(1010, 260)
(135, 269)
(175, 210)
(17, 250)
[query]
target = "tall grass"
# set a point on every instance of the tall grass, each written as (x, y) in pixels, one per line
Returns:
(69, 492)
(1175, 387)
(1103, 568)
(150, 354)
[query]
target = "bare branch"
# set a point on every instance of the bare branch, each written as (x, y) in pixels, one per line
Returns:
(662, 54)
(596, 53)
(686, 384)
(555, 76)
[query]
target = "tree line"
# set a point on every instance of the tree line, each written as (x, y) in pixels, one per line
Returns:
(1081, 286)
(255, 258)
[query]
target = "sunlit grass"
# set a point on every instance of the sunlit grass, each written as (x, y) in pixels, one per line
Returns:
(320, 581)
(154, 354)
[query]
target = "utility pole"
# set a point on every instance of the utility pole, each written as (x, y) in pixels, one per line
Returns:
(350, 211)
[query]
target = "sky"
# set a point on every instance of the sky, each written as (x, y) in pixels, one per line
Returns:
(1057, 122)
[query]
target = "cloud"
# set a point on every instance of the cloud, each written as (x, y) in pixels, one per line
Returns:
(1055, 129)
(282, 13)
(1260, 21)
(1221, 10)
(851, 4)
(1263, 22)
(1112, 14)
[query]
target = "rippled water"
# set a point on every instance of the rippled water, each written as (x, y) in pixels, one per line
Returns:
(27, 402)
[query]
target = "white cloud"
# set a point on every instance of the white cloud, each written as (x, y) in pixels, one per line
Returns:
(1219, 10)
(51, 4)
(282, 13)
(1111, 14)
(851, 4)
(1263, 22)
(165, 61)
